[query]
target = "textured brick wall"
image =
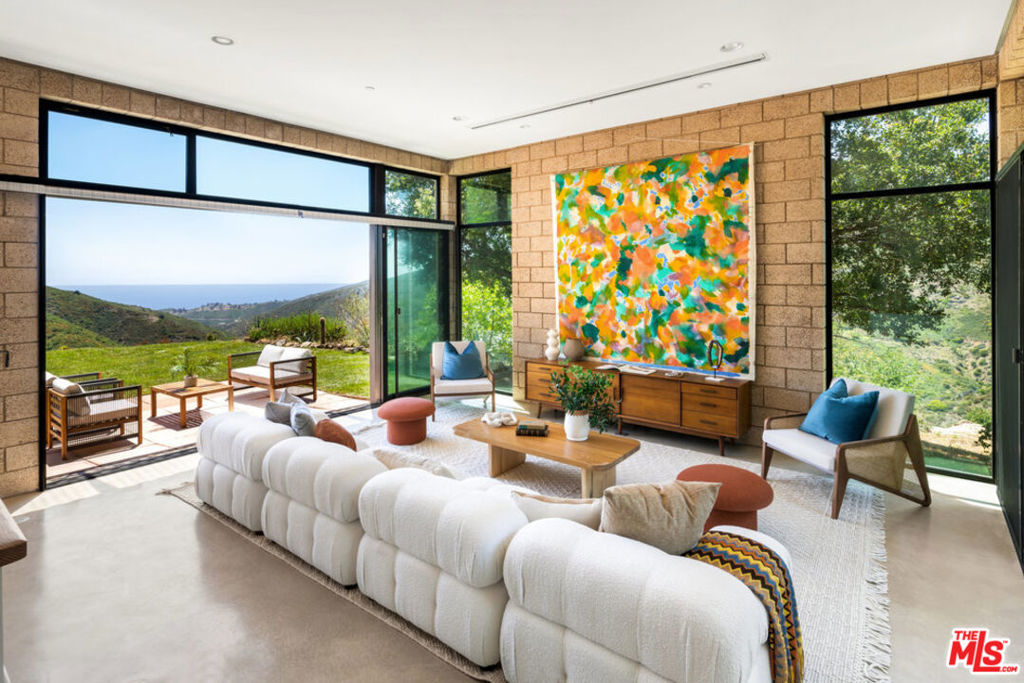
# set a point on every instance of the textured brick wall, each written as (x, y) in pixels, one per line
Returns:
(21, 87)
(790, 209)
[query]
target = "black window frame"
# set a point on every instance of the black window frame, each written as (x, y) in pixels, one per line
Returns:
(381, 196)
(375, 170)
(988, 94)
(460, 228)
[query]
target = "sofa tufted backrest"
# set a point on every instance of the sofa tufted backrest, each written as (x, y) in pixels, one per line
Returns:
(462, 526)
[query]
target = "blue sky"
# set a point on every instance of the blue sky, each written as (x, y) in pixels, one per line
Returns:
(103, 243)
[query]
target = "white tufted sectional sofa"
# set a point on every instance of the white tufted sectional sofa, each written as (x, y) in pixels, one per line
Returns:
(591, 606)
(550, 600)
(312, 505)
(433, 552)
(229, 476)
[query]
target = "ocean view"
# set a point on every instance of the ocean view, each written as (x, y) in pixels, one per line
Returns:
(192, 296)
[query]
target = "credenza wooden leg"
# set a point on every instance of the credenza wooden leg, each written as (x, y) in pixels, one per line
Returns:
(503, 459)
(721, 446)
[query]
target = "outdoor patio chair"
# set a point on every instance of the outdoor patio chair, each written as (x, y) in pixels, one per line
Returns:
(276, 367)
(461, 388)
(91, 412)
(878, 460)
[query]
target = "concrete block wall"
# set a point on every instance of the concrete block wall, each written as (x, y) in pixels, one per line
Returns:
(789, 174)
(21, 87)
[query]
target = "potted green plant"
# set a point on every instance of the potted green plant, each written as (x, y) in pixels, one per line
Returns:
(585, 399)
(190, 364)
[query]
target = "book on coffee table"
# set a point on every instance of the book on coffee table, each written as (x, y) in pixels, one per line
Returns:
(532, 429)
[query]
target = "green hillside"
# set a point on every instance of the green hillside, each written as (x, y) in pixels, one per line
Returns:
(328, 303)
(74, 313)
(61, 333)
(232, 319)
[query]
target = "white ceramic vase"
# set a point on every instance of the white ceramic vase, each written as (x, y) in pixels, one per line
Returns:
(577, 426)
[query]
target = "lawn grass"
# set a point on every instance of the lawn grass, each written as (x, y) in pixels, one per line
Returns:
(337, 372)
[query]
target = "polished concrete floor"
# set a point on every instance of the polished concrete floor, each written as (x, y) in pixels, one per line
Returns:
(124, 585)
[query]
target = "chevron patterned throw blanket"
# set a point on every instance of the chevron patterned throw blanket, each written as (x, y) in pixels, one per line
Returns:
(764, 573)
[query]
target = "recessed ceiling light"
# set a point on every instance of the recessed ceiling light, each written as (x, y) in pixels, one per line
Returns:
(524, 125)
(731, 47)
(704, 86)
(458, 118)
(369, 88)
(222, 40)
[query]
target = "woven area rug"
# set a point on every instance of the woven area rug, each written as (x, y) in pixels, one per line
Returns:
(838, 566)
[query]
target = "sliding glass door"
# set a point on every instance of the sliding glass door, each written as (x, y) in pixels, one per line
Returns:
(415, 304)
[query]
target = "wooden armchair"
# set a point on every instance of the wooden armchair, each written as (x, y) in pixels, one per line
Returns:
(93, 411)
(276, 367)
(443, 388)
(879, 460)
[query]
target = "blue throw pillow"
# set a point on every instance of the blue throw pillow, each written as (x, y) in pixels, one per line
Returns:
(302, 420)
(839, 417)
(465, 365)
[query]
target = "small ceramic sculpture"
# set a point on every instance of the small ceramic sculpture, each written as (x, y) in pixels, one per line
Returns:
(551, 351)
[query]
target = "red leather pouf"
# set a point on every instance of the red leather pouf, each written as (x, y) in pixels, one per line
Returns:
(407, 419)
(743, 493)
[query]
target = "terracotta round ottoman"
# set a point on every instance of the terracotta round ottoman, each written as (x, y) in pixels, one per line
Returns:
(407, 419)
(743, 493)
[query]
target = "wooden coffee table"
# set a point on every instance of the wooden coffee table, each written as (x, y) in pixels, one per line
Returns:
(596, 457)
(178, 391)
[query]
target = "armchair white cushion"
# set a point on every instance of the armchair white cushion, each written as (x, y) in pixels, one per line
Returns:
(879, 459)
(459, 387)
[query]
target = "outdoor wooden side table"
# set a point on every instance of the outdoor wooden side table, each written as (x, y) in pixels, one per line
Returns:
(178, 391)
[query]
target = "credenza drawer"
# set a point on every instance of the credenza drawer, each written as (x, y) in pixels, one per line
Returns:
(692, 388)
(649, 399)
(708, 422)
(700, 403)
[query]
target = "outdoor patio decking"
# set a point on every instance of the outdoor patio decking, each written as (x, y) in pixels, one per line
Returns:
(163, 433)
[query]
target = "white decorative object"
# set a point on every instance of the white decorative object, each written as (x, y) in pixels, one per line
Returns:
(552, 351)
(499, 419)
(577, 426)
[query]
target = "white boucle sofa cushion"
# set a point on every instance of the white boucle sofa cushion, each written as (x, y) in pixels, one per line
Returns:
(237, 496)
(240, 442)
(324, 476)
(462, 526)
(680, 618)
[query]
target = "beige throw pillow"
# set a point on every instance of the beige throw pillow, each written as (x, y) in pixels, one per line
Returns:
(394, 459)
(585, 511)
(669, 516)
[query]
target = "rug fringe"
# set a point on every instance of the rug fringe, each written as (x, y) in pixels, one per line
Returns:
(877, 641)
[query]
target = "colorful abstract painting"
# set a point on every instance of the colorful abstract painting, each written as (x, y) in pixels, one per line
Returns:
(655, 259)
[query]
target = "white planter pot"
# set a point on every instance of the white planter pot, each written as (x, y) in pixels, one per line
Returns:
(577, 427)
(190, 381)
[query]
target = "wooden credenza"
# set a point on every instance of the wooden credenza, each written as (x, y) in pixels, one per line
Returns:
(689, 404)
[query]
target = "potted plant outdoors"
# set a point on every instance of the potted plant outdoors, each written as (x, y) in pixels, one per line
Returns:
(584, 397)
(190, 364)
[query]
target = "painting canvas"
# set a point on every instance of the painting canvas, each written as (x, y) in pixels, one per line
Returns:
(656, 259)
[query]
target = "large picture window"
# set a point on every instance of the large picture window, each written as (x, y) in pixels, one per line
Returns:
(909, 229)
(485, 228)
